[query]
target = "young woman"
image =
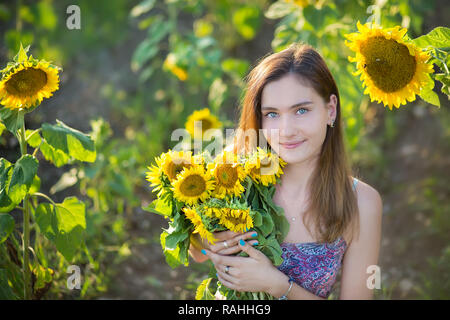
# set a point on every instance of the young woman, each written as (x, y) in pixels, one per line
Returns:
(335, 219)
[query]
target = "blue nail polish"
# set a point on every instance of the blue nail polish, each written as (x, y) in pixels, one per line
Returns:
(254, 235)
(256, 243)
(204, 252)
(242, 242)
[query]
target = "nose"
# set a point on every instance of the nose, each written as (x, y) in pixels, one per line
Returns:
(287, 128)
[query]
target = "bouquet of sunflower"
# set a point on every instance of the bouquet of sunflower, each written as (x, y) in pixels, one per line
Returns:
(200, 194)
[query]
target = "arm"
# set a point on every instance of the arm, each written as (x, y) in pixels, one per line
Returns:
(280, 285)
(363, 251)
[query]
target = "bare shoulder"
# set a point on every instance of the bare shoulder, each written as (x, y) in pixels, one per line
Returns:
(370, 206)
(369, 199)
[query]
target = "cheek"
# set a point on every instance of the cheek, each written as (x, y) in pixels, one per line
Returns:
(266, 128)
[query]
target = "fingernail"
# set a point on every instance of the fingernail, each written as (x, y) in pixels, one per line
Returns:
(254, 235)
(204, 252)
(217, 275)
(242, 242)
(256, 243)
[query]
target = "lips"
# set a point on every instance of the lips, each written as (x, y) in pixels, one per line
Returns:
(292, 145)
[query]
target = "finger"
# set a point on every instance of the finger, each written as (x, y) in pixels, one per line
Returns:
(249, 249)
(236, 248)
(225, 235)
(223, 246)
(229, 251)
(243, 236)
(222, 259)
(226, 283)
(226, 276)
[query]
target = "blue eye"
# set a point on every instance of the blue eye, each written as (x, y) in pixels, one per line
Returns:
(267, 115)
(302, 109)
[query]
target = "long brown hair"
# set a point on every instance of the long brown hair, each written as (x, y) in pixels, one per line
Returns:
(332, 202)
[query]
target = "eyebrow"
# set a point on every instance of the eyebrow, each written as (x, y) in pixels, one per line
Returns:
(291, 107)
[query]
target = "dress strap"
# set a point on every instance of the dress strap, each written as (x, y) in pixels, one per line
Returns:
(355, 181)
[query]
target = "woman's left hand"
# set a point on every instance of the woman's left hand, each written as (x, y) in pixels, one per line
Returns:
(251, 274)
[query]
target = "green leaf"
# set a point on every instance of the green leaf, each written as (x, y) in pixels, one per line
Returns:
(177, 232)
(46, 220)
(6, 226)
(160, 207)
(63, 224)
(173, 257)
(267, 224)
(279, 9)
(427, 94)
(2, 128)
(148, 48)
(22, 177)
(6, 169)
(430, 96)
(247, 20)
(438, 37)
(203, 292)
(6, 292)
(35, 185)
(43, 276)
(143, 7)
(237, 67)
(12, 119)
(144, 52)
(55, 156)
(70, 141)
(35, 140)
(21, 56)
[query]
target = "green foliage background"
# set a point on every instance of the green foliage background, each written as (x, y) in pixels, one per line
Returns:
(116, 88)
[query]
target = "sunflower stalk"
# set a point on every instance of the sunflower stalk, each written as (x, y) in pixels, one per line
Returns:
(26, 225)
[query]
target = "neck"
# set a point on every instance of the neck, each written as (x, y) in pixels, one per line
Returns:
(295, 179)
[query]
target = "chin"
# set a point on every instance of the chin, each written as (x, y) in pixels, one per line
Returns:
(291, 157)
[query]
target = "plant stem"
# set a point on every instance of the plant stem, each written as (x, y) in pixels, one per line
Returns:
(26, 226)
(44, 196)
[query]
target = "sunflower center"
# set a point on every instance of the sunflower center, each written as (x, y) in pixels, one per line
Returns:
(193, 186)
(205, 124)
(175, 169)
(388, 63)
(227, 175)
(26, 82)
(235, 218)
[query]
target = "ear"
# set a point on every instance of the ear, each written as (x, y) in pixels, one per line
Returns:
(332, 107)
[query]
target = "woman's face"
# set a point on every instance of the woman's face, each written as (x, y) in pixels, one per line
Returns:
(299, 114)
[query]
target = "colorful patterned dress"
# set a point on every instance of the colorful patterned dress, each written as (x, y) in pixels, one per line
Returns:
(313, 265)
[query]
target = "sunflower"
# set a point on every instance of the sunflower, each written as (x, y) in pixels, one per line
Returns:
(202, 120)
(264, 167)
(173, 162)
(153, 175)
(170, 63)
(192, 185)
(27, 81)
(228, 174)
(392, 69)
(199, 227)
(236, 220)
